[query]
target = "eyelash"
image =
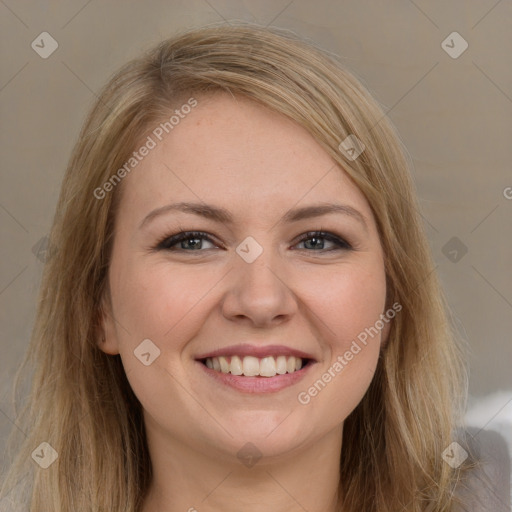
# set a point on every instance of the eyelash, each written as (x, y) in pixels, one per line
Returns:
(167, 242)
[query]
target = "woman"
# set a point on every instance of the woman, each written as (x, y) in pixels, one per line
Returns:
(240, 309)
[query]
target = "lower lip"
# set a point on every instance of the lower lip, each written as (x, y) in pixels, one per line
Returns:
(257, 384)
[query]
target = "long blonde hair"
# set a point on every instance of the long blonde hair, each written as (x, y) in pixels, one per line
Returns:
(80, 401)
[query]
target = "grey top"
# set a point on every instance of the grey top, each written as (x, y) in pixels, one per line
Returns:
(487, 487)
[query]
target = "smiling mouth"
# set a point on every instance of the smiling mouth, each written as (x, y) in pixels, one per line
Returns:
(250, 366)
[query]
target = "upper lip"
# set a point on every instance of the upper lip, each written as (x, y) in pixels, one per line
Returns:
(246, 349)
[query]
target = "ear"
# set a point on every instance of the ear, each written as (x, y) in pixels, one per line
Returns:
(107, 336)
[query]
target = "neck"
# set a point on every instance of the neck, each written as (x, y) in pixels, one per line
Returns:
(185, 479)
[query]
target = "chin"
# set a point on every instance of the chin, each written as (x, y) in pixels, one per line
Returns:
(267, 433)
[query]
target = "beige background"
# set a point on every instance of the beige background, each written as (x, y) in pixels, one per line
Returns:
(454, 116)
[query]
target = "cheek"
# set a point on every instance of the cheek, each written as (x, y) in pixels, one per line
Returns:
(348, 301)
(165, 304)
(168, 305)
(350, 307)
(154, 301)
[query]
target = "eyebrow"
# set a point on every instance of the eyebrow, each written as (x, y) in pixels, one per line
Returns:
(224, 216)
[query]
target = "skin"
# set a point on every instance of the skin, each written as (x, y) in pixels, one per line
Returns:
(233, 153)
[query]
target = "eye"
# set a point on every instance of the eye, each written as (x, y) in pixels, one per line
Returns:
(318, 241)
(188, 240)
(194, 241)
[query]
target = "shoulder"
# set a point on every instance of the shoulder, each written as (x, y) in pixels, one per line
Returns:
(486, 486)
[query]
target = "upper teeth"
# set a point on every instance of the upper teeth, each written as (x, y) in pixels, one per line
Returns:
(251, 366)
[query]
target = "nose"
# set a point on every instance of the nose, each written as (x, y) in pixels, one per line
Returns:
(258, 293)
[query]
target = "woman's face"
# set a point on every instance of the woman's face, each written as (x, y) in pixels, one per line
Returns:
(251, 292)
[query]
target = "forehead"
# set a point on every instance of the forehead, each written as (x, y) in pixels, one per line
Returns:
(234, 152)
